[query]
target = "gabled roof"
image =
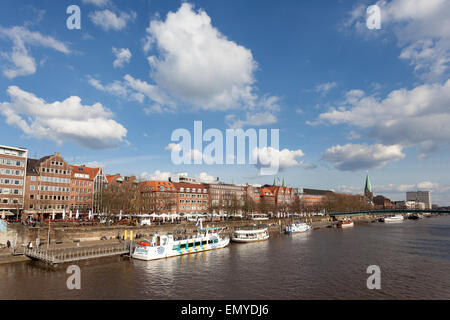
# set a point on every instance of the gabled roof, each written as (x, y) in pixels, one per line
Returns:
(155, 185)
(185, 185)
(112, 178)
(32, 165)
(92, 172)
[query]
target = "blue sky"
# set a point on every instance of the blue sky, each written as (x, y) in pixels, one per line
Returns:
(346, 99)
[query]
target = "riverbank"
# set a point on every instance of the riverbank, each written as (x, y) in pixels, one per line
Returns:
(64, 236)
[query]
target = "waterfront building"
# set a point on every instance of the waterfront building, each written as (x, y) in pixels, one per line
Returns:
(157, 197)
(312, 198)
(192, 197)
(420, 196)
(226, 198)
(86, 184)
(280, 198)
(13, 162)
(382, 202)
(120, 193)
(47, 186)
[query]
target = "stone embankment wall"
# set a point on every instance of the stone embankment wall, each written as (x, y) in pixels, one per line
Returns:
(23, 234)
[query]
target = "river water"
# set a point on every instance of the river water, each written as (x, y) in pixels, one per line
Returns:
(413, 256)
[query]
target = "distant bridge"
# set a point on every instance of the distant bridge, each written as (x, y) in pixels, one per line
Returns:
(387, 211)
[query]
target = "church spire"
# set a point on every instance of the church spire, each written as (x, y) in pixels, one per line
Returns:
(368, 193)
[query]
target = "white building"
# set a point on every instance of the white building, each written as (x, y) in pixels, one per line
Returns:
(420, 196)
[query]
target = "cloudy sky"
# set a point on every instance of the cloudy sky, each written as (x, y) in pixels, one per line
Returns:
(346, 99)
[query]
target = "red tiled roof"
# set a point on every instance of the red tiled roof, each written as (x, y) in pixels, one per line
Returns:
(92, 172)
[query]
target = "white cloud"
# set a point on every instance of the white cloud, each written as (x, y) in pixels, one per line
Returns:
(21, 62)
(199, 67)
(165, 175)
(422, 29)
(116, 88)
(252, 119)
(173, 147)
(98, 3)
(123, 56)
(152, 92)
(323, 88)
(198, 64)
(108, 20)
(286, 158)
(204, 177)
(407, 117)
(94, 164)
(68, 120)
(157, 175)
(362, 156)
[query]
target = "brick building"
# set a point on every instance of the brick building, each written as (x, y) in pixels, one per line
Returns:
(157, 197)
(310, 198)
(86, 182)
(192, 197)
(223, 195)
(382, 202)
(13, 163)
(47, 186)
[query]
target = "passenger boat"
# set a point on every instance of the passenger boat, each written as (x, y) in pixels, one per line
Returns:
(346, 223)
(165, 246)
(393, 219)
(297, 227)
(250, 233)
(260, 216)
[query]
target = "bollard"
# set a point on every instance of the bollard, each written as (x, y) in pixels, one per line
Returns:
(131, 242)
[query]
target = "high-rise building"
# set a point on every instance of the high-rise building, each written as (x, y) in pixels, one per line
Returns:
(420, 196)
(13, 162)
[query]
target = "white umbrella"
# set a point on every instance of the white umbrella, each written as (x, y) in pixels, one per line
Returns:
(90, 215)
(70, 214)
(53, 215)
(120, 215)
(64, 214)
(77, 215)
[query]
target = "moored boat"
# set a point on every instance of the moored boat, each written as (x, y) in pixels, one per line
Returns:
(250, 233)
(415, 216)
(393, 219)
(259, 217)
(165, 246)
(346, 223)
(297, 227)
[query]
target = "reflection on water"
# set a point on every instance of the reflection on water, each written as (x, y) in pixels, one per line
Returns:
(414, 257)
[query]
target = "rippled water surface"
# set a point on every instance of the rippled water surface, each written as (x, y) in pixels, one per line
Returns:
(414, 257)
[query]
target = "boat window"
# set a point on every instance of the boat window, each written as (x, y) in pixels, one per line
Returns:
(175, 248)
(183, 246)
(204, 242)
(216, 240)
(191, 244)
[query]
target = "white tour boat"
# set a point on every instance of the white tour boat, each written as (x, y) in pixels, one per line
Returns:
(393, 219)
(250, 233)
(297, 227)
(259, 217)
(165, 246)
